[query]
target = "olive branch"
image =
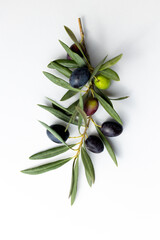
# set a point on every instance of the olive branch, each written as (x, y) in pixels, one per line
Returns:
(76, 114)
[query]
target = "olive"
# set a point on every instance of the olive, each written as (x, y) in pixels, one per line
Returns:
(91, 106)
(111, 129)
(79, 77)
(60, 129)
(94, 144)
(75, 49)
(102, 82)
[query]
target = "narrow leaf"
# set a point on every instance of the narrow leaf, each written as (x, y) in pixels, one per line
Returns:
(68, 95)
(104, 96)
(80, 116)
(46, 167)
(59, 81)
(111, 62)
(59, 106)
(52, 152)
(89, 169)
(107, 145)
(75, 182)
(120, 98)
(73, 55)
(74, 39)
(108, 108)
(109, 73)
(73, 105)
(58, 114)
(83, 114)
(96, 69)
(65, 71)
(67, 63)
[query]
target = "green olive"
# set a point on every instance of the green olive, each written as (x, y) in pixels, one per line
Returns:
(102, 82)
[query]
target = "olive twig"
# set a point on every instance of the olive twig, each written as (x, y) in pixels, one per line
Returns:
(82, 139)
(82, 42)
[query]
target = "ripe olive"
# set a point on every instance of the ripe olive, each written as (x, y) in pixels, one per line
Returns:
(79, 77)
(91, 106)
(102, 82)
(111, 129)
(94, 144)
(75, 49)
(60, 129)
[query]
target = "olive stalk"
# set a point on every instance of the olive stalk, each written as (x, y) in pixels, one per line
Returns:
(82, 138)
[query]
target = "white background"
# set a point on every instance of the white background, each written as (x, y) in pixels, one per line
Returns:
(124, 202)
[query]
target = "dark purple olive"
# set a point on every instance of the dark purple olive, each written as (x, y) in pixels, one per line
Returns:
(91, 106)
(60, 130)
(75, 49)
(79, 77)
(94, 144)
(111, 129)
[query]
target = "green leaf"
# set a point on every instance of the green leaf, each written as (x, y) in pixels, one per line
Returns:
(73, 55)
(103, 96)
(73, 105)
(54, 133)
(107, 145)
(74, 181)
(68, 95)
(83, 114)
(108, 108)
(46, 167)
(65, 71)
(96, 69)
(80, 116)
(52, 152)
(109, 73)
(67, 63)
(74, 39)
(59, 106)
(60, 82)
(120, 98)
(89, 169)
(111, 62)
(58, 114)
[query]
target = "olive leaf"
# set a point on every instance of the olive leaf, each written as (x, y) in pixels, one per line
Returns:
(67, 63)
(96, 69)
(74, 104)
(58, 114)
(88, 165)
(111, 62)
(59, 106)
(65, 71)
(83, 114)
(103, 96)
(52, 152)
(108, 108)
(120, 98)
(107, 145)
(73, 55)
(68, 95)
(80, 116)
(74, 39)
(72, 119)
(109, 73)
(46, 167)
(60, 82)
(74, 181)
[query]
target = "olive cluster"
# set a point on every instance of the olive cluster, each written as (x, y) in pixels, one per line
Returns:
(79, 77)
